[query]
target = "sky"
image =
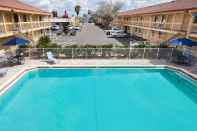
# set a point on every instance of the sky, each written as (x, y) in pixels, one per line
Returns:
(61, 5)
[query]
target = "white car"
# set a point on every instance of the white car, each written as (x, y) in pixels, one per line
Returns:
(74, 28)
(119, 34)
(113, 30)
(55, 27)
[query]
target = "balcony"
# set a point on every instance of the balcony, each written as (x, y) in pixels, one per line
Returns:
(36, 25)
(172, 27)
(167, 26)
(193, 32)
(6, 29)
(2, 28)
(194, 29)
(9, 28)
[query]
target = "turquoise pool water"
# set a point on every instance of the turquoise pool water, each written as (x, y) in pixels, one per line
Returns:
(124, 99)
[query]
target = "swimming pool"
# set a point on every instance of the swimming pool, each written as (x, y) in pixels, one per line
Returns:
(100, 99)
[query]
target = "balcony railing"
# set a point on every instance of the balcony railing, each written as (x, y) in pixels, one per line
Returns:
(2, 28)
(34, 25)
(167, 26)
(156, 25)
(7, 27)
(10, 26)
(194, 29)
(22, 26)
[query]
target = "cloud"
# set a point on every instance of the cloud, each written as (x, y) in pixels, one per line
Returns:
(62, 5)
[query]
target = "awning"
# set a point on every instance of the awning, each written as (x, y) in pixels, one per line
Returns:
(17, 41)
(182, 42)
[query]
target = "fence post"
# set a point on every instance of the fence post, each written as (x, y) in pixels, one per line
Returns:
(172, 52)
(72, 53)
(129, 53)
(157, 53)
(29, 53)
(86, 53)
(101, 51)
(57, 52)
(144, 53)
(42, 52)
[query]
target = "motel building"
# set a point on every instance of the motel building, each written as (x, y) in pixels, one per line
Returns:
(17, 18)
(162, 22)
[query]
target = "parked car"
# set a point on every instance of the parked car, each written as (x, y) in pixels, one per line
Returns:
(74, 28)
(119, 34)
(77, 28)
(90, 21)
(113, 30)
(55, 27)
(70, 27)
(59, 32)
(73, 32)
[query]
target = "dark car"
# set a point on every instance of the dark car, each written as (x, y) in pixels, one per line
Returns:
(73, 32)
(59, 32)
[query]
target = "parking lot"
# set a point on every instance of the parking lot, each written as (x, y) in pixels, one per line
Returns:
(89, 34)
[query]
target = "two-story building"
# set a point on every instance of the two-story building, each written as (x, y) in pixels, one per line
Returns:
(17, 18)
(159, 23)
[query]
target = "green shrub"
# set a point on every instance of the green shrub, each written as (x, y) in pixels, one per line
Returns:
(142, 45)
(88, 46)
(71, 46)
(27, 46)
(163, 45)
(153, 46)
(44, 39)
(107, 46)
(148, 45)
(45, 42)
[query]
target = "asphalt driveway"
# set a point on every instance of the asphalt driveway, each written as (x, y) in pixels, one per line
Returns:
(90, 34)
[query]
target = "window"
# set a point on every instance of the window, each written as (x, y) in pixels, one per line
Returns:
(163, 19)
(141, 18)
(1, 18)
(195, 19)
(156, 18)
(160, 33)
(153, 33)
(139, 31)
(16, 18)
(40, 18)
(24, 18)
(136, 30)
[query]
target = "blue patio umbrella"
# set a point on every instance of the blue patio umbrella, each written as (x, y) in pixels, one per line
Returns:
(182, 42)
(20, 41)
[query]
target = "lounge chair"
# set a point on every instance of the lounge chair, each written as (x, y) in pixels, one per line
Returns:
(51, 58)
(3, 72)
(188, 57)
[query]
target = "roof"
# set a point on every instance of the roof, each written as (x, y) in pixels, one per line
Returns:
(177, 5)
(17, 6)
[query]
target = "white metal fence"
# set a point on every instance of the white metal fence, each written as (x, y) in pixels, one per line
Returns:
(101, 53)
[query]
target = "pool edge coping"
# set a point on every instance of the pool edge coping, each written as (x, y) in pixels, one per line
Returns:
(11, 81)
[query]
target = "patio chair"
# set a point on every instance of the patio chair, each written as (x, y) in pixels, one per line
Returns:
(187, 57)
(3, 72)
(51, 58)
(178, 58)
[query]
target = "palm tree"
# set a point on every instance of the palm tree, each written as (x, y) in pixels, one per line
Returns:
(77, 9)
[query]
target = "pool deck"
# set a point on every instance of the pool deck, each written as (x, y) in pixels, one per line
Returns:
(12, 71)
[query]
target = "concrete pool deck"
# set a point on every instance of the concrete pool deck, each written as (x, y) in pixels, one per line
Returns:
(12, 71)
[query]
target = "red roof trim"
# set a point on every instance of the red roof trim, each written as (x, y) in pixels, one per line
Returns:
(178, 5)
(19, 6)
